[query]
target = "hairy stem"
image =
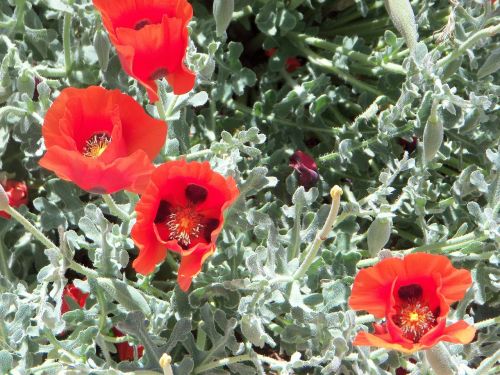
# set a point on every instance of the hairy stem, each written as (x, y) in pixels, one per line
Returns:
(114, 209)
(322, 235)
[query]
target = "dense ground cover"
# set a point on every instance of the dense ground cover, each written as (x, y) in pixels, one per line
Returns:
(341, 135)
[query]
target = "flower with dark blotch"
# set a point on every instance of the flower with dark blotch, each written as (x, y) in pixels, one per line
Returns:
(101, 140)
(306, 168)
(151, 38)
(414, 295)
(181, 210)
(17, 192)
(75, 294)
(124, 350)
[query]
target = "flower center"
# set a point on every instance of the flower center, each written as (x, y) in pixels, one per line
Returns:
(96, 145)
(185, 224)
(415, 319)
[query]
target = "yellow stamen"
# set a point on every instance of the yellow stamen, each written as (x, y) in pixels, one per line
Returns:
(96, 145)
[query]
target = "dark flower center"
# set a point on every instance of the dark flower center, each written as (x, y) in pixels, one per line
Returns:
(184, 225)
(96, 145)
(413, 316)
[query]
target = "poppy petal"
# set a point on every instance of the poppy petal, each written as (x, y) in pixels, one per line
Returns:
(191, 265)
(372, 286)
(384, 341)
(455, 282)
(97, 177)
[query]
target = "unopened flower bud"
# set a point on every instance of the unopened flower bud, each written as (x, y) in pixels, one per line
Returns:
(433, 134)
(379, 233)
(440, 360)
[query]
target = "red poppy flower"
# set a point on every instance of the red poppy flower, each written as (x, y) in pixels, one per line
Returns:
(181, 210)
(413, 294)
(291, 63)
(151, 39)
(72, 292)
(125, 350)
(101, 140)
(306, 167)
(17, 192)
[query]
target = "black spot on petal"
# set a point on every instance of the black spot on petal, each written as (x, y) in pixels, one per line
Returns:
(209, 226)
(196, 194)
(164, 210)
(139, 25)
(410, 292)
(158, 74)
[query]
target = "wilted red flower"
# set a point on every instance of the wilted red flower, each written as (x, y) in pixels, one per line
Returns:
(125, 350)
(17, 192)
(181, 210)
(306, 167)
(151, 39)
(413, 294)
(101, 140)
(291, 63)
(409, 146)
(72, 292)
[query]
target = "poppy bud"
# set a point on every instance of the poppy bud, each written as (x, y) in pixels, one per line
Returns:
(403, 18)
(223, 13)
(433, 134)
(306, 167)
(379, 233)
(439, 359)
(12, 193)
(102, 47)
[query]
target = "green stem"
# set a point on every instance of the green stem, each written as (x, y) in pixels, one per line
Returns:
(30, 227)
(365, 144)
(354, 55)
(59, 347)
(271, 119)
(237, 359)
(326, 64)
(487, 323)
(67, 42)
(48, 72)
(476, 37)
(444, 247)
(322, 235)
(4, 266)
(171, 107)
(114, 209)
(197, 154)
(117, 340)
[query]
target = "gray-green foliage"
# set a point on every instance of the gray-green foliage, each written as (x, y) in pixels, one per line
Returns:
(355, 104)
